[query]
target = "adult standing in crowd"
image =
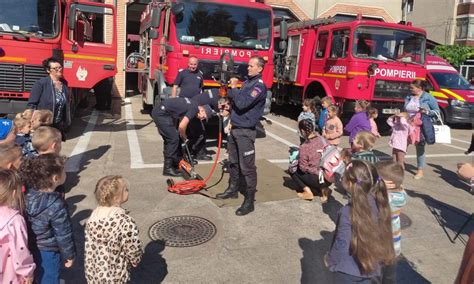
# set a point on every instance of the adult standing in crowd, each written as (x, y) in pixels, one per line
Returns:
(189, 80)
(420, 101)
(51, 92)
(165, 116)
(247, 107)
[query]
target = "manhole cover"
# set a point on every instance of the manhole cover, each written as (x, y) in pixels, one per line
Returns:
(405, 221)
(183, 231)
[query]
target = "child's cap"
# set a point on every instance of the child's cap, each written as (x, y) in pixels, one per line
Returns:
(6, 126)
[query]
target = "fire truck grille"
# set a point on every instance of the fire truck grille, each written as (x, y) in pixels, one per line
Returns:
(391, 89)
(18, 77)
(210, 68)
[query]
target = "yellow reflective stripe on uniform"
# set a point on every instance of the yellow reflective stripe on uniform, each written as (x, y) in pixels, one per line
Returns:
(438, 95)
(458, 97)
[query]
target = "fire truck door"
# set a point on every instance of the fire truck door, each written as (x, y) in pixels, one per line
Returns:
(318, 65)
(335, 71)
(89, 44)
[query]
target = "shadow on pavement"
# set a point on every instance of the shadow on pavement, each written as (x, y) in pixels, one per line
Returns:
(153, 267)
(313, 269)
(406, 272)
(449, 177)
(447, 216)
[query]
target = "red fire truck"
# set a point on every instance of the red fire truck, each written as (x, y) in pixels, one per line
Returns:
(171, 32)
(348, 61)
(81, 33)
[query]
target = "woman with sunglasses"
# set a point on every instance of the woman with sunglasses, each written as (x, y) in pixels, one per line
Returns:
(51, 92)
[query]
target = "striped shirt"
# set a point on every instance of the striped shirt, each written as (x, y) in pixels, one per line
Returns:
(397, 199)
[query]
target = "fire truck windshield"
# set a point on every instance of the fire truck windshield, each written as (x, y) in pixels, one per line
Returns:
(34, 18)
(389, 44)
(224, 25)
(451, 81)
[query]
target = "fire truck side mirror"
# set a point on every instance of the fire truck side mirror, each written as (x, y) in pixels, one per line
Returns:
(155, 17)
(153, 34)
(283, 30)
(71, 21)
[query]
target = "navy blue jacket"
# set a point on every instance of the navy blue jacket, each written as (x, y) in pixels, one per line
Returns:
(49, 224)
(42, 97)
(248, 103)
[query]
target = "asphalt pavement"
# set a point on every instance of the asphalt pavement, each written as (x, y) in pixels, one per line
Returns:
(284, 240)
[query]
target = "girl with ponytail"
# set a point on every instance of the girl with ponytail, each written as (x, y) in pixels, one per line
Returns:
(363, 241)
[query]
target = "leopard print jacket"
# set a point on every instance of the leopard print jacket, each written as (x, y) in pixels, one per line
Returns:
(112, 246)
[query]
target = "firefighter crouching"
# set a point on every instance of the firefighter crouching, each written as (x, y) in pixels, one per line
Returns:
(247, 108)
(165, 116)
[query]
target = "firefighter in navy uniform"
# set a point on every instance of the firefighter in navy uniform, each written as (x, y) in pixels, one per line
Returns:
(247, 108)
(190, 80)
(165, 116)
(197, 127)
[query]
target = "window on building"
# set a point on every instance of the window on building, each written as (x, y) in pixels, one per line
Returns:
(410, 4)
(321, 45)
(465, 28)
(340, 44)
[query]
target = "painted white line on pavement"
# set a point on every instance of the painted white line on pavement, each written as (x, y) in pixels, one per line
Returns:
(281, 125)
(73, 164)
(276, 137)
(136, 159)
(455, 147)
(462, 141)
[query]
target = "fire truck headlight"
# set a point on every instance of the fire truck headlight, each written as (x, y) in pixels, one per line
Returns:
(458, 103)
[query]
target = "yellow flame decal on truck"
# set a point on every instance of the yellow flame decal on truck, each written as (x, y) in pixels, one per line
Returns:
(453, 94)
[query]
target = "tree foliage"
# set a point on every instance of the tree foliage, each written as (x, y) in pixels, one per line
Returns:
(455, 54)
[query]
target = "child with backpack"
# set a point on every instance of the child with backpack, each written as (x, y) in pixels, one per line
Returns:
(16, 262)
(307, 173)
(333, 128)
(111, 235)
(50, 227)
(399, 138)
(359, 121)
(363, 240)
(392, 174)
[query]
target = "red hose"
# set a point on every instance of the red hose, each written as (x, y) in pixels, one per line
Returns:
(191, 186)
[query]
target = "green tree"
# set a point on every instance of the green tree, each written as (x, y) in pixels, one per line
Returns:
(454, 54)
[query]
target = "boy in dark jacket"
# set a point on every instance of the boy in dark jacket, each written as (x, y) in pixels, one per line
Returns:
(49, 224)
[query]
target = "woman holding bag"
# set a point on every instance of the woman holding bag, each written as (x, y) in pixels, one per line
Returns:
(421, 102)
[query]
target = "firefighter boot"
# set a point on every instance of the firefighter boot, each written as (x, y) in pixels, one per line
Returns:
(231, 192)
(170, 170)
(247, 206)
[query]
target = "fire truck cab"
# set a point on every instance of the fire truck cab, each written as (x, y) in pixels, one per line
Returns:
(81, 33)
(454, 94)
(172, 31)
(349, 61)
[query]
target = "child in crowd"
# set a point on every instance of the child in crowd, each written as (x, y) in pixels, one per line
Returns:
(111, 235)
(399, 139)
(359, 121)
(373, 114)
(325, 103)
(51, 235)
(308, 112)
(393, 174)
(16, 262)
(363, 240)
(7, 131)
(41, 117)
(333, 128)
(47, 140)
(10, 156)
(23, 137)
(362, 147)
